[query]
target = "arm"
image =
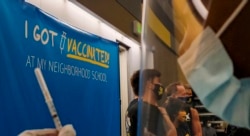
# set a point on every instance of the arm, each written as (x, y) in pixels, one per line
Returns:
(196, 125)
(171, 131)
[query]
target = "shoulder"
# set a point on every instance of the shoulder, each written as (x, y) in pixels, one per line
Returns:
(133, 106)
(132, 103)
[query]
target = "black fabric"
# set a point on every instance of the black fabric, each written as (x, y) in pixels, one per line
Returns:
(242, 132)
(153, 120)
(131, 118)
(188, 124)
(237, 131)
(209, 131)
(183, 130)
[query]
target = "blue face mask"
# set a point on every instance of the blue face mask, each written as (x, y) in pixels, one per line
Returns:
(209, 70)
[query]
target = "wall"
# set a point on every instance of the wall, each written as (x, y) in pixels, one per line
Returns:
(115, 13)
(77, 15)
(73, 13)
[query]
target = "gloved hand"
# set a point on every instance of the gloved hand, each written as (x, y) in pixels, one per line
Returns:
(66, 130)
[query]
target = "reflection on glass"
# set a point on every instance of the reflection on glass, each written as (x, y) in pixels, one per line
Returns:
(180, 41)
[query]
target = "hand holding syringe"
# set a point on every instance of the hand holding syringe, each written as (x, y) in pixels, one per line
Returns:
(60, 130)
(48, 98)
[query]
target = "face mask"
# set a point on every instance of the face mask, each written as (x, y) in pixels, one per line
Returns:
(209, 70)
(158, 91)
(187, 99)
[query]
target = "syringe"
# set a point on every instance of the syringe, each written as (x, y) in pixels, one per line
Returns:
(48, 98)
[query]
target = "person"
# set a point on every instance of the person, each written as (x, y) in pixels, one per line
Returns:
(189, 95)
(208, 130)
(177, 111)
(215, 62)
(131, 113)
(66, 130)
(178, 91)
(154, 119)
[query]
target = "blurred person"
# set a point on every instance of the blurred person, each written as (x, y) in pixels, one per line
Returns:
(178, 115)
(178, 91)
(208, 130)
(155, 119)
(132, 110)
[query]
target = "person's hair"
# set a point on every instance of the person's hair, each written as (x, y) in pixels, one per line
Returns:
(134, 80)
(149, 74)
(169, 90)
(173, 107)
(172, 88)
